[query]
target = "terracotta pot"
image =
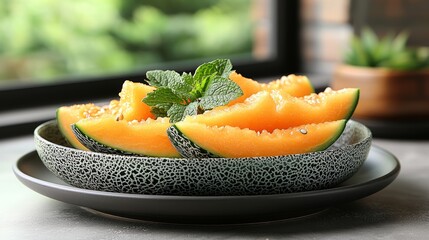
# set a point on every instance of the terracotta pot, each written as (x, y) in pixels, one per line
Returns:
(386, 94)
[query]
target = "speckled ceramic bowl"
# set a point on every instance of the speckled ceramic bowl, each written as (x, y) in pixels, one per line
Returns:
(204, 176)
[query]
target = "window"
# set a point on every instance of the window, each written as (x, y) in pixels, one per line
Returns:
(83, 50)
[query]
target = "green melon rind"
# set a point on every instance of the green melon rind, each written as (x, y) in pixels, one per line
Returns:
(188, 148)
(97, 146)
(353, 107)
(185, 146)
(70, 139)
(334, 138)
(61, 127)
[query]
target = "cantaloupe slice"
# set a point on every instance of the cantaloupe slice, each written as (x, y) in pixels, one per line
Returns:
(109, 135)
(294, 85)
(129, 107)
(68, 115)
(132, 106)
(199, 140)
(270, 110)
(247, 85)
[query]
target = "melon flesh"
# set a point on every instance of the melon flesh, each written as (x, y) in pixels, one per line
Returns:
(270, 110)
(147, 137)
(129, 107)
(132, 106)
(234, 142)
(247, 85)
(68, 115)
(294, 85)
(297, 86)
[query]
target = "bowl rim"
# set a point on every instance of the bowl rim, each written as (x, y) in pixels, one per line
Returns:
(367, 132)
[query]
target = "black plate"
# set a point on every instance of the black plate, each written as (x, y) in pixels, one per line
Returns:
(378, 171)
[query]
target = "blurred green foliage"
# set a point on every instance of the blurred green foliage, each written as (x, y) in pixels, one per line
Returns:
(50, 39)
(369, 50)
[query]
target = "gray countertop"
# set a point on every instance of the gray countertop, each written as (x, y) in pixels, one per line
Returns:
(400, 211)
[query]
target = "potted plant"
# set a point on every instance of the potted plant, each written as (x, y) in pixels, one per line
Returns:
(393, 78)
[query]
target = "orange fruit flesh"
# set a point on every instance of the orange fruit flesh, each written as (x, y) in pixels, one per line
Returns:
(145, 137)
(278, 110)
(129, 107)
(131, 96)
(294, 85)
(234, 142)
(68, 115)
(297, 86)
(247, 85)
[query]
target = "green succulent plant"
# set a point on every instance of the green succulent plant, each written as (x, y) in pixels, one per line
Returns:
(368, 50)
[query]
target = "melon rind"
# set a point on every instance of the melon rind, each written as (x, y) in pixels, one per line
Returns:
(186, 147)
(199, 145)
(96, 146)
(109, 135)
(354, 105)
(270, 110)
(70, 138)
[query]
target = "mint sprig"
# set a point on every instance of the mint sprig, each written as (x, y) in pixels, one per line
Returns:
(177, 96)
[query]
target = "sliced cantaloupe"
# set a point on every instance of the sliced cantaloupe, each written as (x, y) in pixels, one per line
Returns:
(129, 107)
(270, 110)
(109, 135)
(132, 106)
(199, 140)
(68, 115)
(294, 85)
(247, 85)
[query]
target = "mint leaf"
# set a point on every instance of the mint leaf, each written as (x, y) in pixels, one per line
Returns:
(220, 91)
(178, 112)
(188, 80)
(219, 67)
(162, 95)
(207, 71)
(159, 78)
(161, 110)
(178, 95)
(171, 80)
(161, 101)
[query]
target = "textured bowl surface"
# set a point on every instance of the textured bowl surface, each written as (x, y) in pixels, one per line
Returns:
(204, 176)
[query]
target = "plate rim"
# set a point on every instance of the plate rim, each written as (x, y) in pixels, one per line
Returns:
(373, 185)
(19, 173)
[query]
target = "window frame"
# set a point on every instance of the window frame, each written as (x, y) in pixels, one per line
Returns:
(286, 60)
